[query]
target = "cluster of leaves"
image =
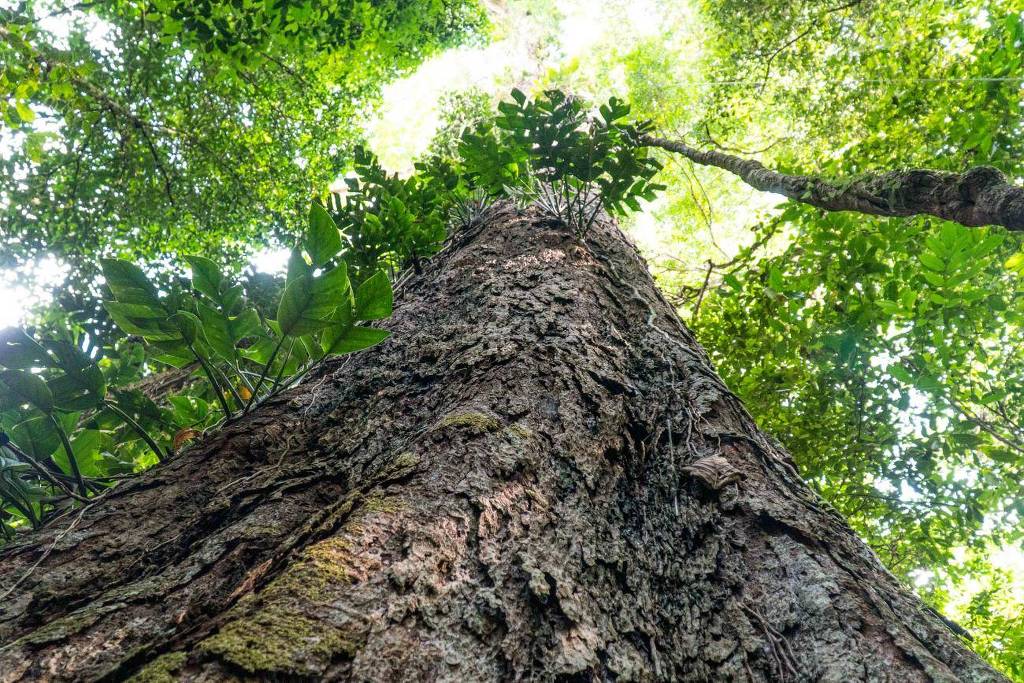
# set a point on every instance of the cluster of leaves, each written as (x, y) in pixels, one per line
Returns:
(554, 151)
(997, 629)
(390, 222)
(63, 431)
(942, 94)
(901, 308)
(249, 33)
(187, 126)
(551, 150)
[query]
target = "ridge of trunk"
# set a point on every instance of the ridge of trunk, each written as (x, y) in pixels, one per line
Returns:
(540, 476)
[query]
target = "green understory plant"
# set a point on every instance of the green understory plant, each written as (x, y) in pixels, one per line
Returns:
(390, 223)
(555, 152)
(243, 357)
(62, 438)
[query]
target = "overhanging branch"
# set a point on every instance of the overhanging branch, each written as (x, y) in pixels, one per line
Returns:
(979, 196)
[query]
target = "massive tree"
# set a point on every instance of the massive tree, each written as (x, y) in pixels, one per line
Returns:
(540, 476)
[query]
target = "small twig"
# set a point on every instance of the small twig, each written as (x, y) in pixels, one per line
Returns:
(263, 375)
(82, 488)
(800, 36)
(46, 553)
(42, 471)
(284, 364)
(703, 289)
(213, 381)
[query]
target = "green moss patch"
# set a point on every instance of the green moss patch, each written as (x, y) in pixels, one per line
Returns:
(281, 630)
(161, 670)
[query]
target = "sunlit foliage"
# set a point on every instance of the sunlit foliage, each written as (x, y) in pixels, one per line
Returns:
(155, 129)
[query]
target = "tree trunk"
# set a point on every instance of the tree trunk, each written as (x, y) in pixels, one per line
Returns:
(539, 477)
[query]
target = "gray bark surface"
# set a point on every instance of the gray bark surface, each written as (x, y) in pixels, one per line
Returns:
(539, 477)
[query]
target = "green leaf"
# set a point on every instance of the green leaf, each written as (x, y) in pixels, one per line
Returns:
(323, 241)
(933, 279)
(309, 304)
(206, 276)
(733, 282)
(337, 341)
(172, 352)
(81, 371)
(217, 328)
(136, 403)
(1015, 263)
(224, 332)
(989, 244)
(374, 298)
(18, 351)
(28, 388)
(900, 373)
(932, 262)
(967, 439)
(1003, 455)
(144, 320)
(128, 283)
(82, 385)
(889, 307)
(260, 351)
(85, 444)
(188, 325)
(297, 266)
(25, 112)
(37, 437)
(245, 325)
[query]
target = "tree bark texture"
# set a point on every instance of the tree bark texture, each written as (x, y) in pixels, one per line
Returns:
(539, 477)
(979, 196)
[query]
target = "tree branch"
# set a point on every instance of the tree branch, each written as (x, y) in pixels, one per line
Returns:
(979, 196)
(800, 36)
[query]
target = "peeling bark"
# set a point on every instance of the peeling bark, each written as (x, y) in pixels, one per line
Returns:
(979, 196)
(539, 477)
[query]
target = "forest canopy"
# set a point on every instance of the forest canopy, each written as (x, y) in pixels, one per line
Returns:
(157, 151)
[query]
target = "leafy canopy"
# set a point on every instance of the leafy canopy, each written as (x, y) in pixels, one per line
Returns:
(884, 353)
(158, 129)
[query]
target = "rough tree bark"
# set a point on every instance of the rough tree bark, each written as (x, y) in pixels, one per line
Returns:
(540, 477)
(979, 196)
